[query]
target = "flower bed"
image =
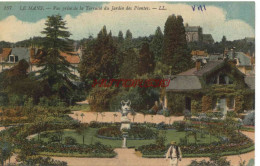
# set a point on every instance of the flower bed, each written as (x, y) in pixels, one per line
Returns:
(135, 133)
(234, 146)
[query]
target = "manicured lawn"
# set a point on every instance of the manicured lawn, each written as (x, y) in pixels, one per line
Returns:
(89, 137)
(83, 108)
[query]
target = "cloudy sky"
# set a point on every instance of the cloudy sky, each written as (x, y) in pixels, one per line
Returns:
(235, 20)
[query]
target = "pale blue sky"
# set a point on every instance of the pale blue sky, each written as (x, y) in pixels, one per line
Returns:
(236, 20)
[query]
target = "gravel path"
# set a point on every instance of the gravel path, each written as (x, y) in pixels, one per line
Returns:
(128, 157)
(110, 117)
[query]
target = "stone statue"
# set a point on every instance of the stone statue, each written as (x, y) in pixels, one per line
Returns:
(125, 109)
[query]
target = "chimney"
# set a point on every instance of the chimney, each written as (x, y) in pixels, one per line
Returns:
(198, 65)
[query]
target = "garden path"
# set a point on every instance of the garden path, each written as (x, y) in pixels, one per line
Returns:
(86, 117)
(128, 157)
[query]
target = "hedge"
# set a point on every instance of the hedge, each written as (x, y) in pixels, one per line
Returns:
(246, 150)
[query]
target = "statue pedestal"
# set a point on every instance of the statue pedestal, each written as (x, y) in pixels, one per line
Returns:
(125, 123)
(124, 142)
(125, 126)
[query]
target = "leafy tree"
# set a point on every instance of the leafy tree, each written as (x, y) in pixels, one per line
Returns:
(146, 60)
(55, 68)
(175, 52)
(157, 44)
(129, 67)
(101, 60)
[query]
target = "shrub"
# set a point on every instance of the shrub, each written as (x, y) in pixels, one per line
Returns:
(249, 119)
(179, 126)
(41, 161)
(70, 141)
(214, 161)
(206, 103)
(54, 138)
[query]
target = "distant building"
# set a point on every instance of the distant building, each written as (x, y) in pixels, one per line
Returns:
(193, 33)
(244, 62)
(11, 56)
(208, 39)
(210, 81)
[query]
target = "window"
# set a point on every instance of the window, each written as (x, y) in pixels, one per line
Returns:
(16, 59)
(11, 58)
(224, 79)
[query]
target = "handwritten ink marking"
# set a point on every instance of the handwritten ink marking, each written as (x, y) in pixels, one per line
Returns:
(193, 7)
(199, 7)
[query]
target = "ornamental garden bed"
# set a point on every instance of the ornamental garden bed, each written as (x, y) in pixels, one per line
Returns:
(136, 132)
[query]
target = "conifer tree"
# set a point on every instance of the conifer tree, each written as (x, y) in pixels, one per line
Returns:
(146, 60)
(120, 37)
(55, 68)
(157, 44)
(175, 54)
(100, 61)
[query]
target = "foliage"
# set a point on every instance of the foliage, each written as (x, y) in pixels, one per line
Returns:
(70, 141)
(136, 132)
(195, 106)
(161, 138)
(133, 95)
(175, 46)
(100, 61)
(42, 161)
(100, 97)
(129, 66)
(55, 70)
(157, 44)
(176, 103)
(206, 103)
(5, 151)
(146, 60)
(214, 161)
(239, 103)
(249, 119)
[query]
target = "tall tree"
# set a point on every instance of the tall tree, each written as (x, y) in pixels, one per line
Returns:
(55, 68)
(129, 67)
(120, 37)
(157, 44)
(100, 61)
(146, 60)
(128, 35)
(128, 40)
(175, 54)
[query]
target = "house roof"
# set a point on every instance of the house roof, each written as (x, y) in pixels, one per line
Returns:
(72, 58)
(204, 69)
(22, 53)
(208, 67)
(215, 57)
(207, 37)
(190, 79)
(244, 60)
(199, 53)
(182, 82)
(192, 28)
(250, 81)
(6, 52)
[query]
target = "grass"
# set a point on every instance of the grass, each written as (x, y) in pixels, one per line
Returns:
(83, 108)
(77, 155)
(89, 138)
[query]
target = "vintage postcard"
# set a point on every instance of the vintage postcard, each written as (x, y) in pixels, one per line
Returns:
(127, 83)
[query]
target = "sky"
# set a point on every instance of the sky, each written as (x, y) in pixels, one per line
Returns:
(235, 20)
